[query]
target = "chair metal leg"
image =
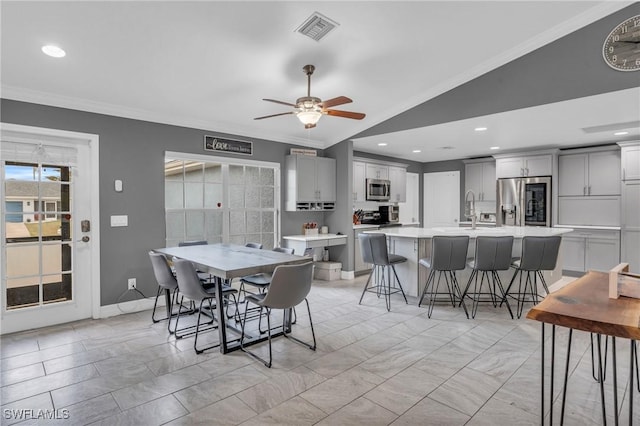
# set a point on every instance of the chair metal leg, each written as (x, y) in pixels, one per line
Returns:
(313, 334)
(399, 284)
(456, 286)
(497, 282)
(426, 287)
(366, 285)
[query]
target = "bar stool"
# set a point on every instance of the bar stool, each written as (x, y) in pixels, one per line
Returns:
(492, 254)
(538, 254)
(448, 255)
(374, 250)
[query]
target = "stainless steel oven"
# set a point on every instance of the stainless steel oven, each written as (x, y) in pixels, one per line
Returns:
(378, 190)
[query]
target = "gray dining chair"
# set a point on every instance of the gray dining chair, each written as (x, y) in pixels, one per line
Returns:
(538, 254)
(374, 251)
(290, 286)
(254, 245)
(166, 283)
(191, 287)
(492, 254)
(263, 279)
(448, 255)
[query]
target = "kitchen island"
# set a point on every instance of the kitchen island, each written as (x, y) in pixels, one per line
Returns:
(415, 244)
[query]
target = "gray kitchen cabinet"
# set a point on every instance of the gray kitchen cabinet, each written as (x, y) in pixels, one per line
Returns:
(631, 224)
(359, 181)
(398, 179)
(630, 161)
(480, 177)
(411, 272)
(529, 165)
(589, 174)
(590, 249)
(310, 183)
(377, 171)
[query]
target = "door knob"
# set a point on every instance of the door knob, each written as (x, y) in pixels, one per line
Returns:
(85, 239)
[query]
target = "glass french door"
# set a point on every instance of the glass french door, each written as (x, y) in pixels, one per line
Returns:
(45, 238)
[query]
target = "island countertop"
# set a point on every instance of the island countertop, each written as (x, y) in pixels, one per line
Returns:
(515, 231)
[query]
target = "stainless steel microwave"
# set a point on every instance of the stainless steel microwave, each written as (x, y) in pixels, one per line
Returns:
(378, 189)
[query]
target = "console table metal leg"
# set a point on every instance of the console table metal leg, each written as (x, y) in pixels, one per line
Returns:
(601, 380)
(632, 355)
(615, 381)
(542, 381)
(553, 361)
(566, 377)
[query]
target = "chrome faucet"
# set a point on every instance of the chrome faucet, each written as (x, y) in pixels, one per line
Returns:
(470, 208)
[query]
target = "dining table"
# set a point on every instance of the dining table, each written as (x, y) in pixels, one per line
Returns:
(225, 262)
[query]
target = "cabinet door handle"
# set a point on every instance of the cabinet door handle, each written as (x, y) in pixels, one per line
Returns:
(589, 190)
(527, 169)
(521, 171)
(584, 190)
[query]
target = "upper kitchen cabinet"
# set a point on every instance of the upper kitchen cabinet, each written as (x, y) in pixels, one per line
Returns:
(311, 183)
(377, 171)
(398, 179)
(359, 181)
(524, 165)
(589, 173)
(630, 160)
(480, 177)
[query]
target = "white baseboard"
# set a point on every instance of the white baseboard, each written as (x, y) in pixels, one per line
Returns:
(347, 275)
(129, 307)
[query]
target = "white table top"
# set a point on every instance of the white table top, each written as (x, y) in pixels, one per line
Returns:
(313, 237)
(515, 231)
(231, 260)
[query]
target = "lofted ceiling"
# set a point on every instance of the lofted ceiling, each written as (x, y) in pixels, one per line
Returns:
(208, 64)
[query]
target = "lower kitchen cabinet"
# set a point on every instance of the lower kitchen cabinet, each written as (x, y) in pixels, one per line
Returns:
(411, 272)
(592, 249)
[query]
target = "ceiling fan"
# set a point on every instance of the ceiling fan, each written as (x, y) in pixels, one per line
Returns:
(309, 109)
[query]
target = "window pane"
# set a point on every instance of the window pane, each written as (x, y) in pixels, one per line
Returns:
(252, 197)
(236, 222)
(266, 176)
(213, 172)
(236, 196)
(252, 175)
(175, 225)
(237, 239)
(213, 196)
(253, 222)
(51, 259)
(23, 292)
(174, 170)
(193, 171)
(21, 172)
(23, 260)
(173, 195)
(193, 195)
(236, 174)
(214, 224)
(267, 241)
(268, 222)
(56, 288)
(55, 174)
(195, 225)
(267, 199)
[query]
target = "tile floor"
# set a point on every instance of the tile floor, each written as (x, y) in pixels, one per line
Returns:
(372, 367)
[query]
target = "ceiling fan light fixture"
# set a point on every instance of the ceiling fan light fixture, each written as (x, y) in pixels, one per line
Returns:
(307, 117)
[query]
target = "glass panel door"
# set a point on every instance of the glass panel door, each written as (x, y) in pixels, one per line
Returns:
(38, 240)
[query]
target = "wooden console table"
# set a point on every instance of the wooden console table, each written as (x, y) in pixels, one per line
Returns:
(585, 305)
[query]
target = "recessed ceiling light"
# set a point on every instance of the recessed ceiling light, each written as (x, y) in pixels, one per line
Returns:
(382, 144)
(494, 147)
(480, 129)
(53, 51)
(415, 151)
(620, 133)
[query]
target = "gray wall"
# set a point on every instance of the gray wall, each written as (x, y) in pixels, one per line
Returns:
(340, 220)
(133, 151)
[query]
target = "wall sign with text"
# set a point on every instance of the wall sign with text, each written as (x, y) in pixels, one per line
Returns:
(214, 143)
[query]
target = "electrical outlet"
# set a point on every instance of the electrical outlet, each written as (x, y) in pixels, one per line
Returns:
(131, 282)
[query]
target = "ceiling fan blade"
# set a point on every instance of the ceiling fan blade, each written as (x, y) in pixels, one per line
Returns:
(280, 102)
(345, 114)
(340, 100)
(274, 115)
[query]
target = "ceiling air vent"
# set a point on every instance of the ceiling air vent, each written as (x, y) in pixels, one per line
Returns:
(317, 26)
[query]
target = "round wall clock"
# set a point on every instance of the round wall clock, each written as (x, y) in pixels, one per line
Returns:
(621, 49)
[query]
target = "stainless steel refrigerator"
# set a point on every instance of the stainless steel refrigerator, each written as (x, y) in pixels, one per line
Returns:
(524, 201)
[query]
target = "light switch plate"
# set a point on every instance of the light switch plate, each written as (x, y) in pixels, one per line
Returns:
(119, 220)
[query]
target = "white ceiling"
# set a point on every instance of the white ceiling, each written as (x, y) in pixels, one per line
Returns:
(209, 64)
